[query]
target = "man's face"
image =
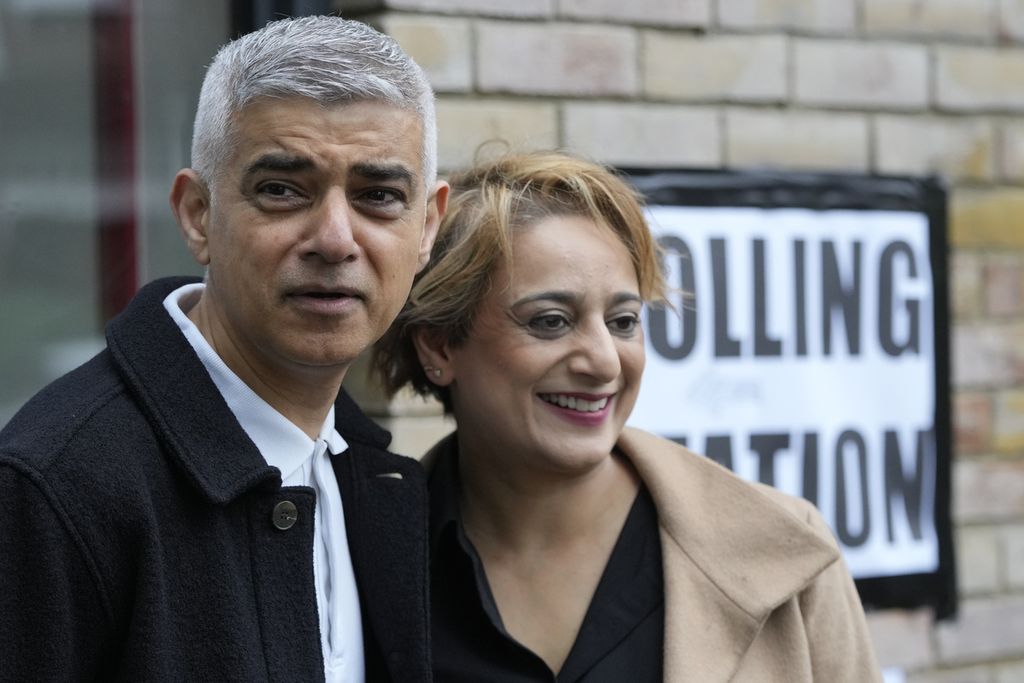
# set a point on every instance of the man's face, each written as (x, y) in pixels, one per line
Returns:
(312, 233)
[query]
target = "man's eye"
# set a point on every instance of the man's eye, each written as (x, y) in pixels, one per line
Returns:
(383, 196)
(384, 203)
(277, 190)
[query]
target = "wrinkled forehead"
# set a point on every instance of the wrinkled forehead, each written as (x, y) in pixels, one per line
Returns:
(299, 134)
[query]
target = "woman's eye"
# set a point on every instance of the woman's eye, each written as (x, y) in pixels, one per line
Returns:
(549, 322)
(624, 324)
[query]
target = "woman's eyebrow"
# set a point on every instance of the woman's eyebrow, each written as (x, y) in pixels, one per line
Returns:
(565, 297)
(558, 296)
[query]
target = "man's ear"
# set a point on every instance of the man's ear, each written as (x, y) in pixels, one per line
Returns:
(190, 202)
(437, 204)
(434, 352)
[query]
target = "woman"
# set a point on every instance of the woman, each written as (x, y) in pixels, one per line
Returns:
(566, 546)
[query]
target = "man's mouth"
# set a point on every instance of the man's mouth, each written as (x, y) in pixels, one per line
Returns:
(325, 301)
(324, 295)
(575, 403)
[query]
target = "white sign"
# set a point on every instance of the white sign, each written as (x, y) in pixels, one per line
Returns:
(803, 356)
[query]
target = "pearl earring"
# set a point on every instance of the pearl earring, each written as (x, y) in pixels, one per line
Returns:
(429, 368)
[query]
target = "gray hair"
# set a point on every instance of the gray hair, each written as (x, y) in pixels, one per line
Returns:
(324, 58)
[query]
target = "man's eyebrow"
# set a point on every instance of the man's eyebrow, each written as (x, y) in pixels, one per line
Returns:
(384, 172)
(285, 163)
(290, 163)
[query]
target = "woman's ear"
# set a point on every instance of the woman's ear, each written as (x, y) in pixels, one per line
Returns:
(434, 352)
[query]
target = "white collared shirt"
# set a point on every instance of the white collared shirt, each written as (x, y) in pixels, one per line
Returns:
(303, 462)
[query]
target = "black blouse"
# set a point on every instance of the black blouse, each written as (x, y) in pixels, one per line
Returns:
(622, 633)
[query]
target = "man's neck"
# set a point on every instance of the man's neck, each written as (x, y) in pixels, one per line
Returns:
(302, 395)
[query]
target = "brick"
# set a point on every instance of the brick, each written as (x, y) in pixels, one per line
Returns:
(498, 8)
(947, 18)
(674, 13)
(415, 422)
(987, 355)
(796, 140)
(1013, 556)
(902, 638)
(1008, 425)
(1010, 672)
(972, 674)
(831, 16)
(464, 125)
(440, 45)
(844, 73)
(978, 560)
(414, 435)
(991, 217)
(984, 629)
(972, 422)
(734, 68)
(1010, 25)
(362, 385)
(973, 79)
(966, 284)
(1010, 151)
(962, 149)
(644, 134)
(1004, 284)
(988, 491)
(556, 59)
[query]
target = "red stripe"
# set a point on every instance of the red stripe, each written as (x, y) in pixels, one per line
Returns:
(115, 139)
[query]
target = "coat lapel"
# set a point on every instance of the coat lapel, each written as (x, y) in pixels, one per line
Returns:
(731, 555)
(168, 380)
(385, 505)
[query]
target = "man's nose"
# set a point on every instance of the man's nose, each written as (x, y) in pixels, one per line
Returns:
(332, 235)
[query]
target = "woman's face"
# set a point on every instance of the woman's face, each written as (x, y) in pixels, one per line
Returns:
(552, 365)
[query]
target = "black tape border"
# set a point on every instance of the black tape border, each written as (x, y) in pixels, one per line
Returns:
(825, 191)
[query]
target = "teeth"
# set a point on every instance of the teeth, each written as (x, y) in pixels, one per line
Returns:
(573, 403)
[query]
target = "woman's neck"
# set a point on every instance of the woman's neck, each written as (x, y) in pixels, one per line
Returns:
(519, 509)
(544, 540)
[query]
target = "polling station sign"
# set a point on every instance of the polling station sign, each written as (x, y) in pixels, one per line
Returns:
(807, 350)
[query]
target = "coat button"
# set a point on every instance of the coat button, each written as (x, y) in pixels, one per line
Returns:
(285, 514)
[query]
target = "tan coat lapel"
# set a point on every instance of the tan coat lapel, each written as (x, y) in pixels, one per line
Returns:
(731, 555)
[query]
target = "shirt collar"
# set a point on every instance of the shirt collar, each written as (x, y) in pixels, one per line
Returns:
(280, 442)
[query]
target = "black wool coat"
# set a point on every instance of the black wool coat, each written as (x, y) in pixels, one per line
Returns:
(137, 539)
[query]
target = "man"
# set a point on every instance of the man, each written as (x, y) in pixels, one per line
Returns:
(201, 501)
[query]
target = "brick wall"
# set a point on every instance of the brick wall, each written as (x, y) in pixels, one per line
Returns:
(876, 86)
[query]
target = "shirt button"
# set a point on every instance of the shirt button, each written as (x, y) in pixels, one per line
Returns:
(285, 514)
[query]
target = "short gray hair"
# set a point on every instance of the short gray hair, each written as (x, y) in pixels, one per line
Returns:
(324, 58)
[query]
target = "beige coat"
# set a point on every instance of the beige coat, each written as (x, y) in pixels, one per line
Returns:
(755, 589)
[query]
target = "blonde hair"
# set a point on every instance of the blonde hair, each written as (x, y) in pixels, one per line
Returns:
(488, 203)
